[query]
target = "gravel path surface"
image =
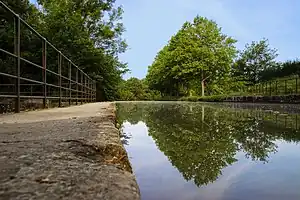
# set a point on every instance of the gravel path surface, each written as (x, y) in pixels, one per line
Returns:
(64, 153)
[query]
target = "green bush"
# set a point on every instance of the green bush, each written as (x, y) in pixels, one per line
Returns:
(190, 98)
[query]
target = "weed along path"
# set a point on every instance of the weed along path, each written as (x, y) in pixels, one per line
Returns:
(64, 153)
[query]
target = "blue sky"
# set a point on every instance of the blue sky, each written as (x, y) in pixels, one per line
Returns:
(150, 24)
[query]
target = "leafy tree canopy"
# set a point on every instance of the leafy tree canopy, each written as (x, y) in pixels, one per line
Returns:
(198, 53)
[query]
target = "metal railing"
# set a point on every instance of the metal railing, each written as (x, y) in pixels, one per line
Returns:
(75, 86)
(283, 86)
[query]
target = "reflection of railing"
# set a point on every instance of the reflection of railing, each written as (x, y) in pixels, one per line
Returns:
(280, 120)
(75, 86)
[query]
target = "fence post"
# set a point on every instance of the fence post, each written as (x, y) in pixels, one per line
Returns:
(70, 82)
(76, 85)
(270, 85)
(94, 95)
(89, 90)
(276, 87)
(285, 90)
(44, 63)
(59, 72)
(85, 90)
(81, 80)
(18, 63)
(297, 85)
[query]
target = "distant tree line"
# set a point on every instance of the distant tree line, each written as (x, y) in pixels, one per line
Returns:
(201, 60)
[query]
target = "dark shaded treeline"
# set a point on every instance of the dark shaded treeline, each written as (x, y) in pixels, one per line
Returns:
(87, 32)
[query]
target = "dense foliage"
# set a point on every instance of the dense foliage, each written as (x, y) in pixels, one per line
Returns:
(134, 89)
(255, 60)
(199, 54)
(200, 60)
(88, 32)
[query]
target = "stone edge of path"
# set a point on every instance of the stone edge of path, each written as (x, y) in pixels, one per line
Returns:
(92, 163)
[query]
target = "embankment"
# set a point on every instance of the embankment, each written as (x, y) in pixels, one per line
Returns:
(291, 99)
(64, 153)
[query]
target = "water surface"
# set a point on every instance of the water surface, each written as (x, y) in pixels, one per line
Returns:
(213, 151)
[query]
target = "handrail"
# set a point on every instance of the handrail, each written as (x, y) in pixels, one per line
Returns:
(85, 86)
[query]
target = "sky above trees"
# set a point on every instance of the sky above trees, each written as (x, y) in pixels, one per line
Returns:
(150, 24)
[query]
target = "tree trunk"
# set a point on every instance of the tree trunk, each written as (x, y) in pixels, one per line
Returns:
(203, 87)
(202, 83)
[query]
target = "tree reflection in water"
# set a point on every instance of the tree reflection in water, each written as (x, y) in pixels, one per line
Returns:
(200, 140)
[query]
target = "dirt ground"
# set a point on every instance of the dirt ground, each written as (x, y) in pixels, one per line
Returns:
(64, 153)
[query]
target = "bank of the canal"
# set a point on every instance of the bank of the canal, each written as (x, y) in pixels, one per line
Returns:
(286, 99)
(65, 153)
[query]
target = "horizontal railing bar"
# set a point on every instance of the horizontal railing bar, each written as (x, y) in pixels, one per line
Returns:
(8, 75)
(53, 46)
(52, 85)
(30, 80)
(65, 78)
(27, 84)
(29, 62)
(32, 97)
(7, 52)
(52, 72)
(40, 97)
(36, 65)
(31, 28)
(8, 96)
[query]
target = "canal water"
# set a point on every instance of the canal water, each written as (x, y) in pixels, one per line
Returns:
(187, 151)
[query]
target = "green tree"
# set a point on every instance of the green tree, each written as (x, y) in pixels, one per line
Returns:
(256, 58)
(88, 32)
(74, 25)
(134, 89)
(198, 54)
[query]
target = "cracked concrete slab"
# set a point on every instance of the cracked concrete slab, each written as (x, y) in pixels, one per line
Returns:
(64, 153)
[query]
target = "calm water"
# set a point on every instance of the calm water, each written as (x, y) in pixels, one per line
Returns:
(213, 151)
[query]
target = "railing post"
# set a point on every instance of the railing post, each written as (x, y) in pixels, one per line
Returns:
(81, 80)
(93, 90)
(88, 90)
(85, 89)
(285, 90)
(44, 63)
(76, 85)
(70, 82)
(297, 85)
(59, 72)
(18, 63)
(270, 85)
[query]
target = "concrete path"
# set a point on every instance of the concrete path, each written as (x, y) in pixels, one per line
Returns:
(64, 153)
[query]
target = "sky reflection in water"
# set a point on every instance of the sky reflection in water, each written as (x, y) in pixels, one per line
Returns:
(213, 151)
